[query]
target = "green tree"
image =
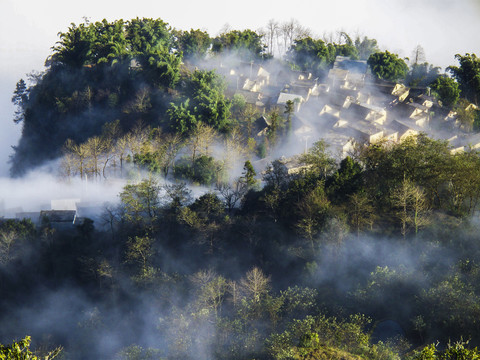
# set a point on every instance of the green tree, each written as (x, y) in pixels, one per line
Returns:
(468, 76)
(466, 114)
(141, 201)
(204, 170)
(387, 66)
(422, 74)
(249, 175)
(140, 251)
(246, 44)
(181, 119)
(346, 180)
(75, 47)
(20, 100)
(145, 34)
(273, 129)
(446, 90)
(194, 44)
(308, 54)
(20, 350)
(161, 68)
(366, 47)
(110, 45)
(318, 160)
(313, 212)
(207, 102)
(289, 110)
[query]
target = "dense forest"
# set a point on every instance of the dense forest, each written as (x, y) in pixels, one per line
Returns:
(371, 256)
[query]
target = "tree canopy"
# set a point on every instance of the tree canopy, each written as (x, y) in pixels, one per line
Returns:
(468, 76)
(387, 66)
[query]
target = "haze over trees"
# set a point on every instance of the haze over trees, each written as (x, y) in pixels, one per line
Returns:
(371, 256)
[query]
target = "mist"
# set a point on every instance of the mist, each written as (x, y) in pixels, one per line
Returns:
(36, 190)
(443, 28)
(80, 288)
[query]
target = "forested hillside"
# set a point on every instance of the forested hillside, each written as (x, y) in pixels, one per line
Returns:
(216, 249)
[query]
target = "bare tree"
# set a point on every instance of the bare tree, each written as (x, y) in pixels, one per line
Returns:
(122, 147)
(95, 146)
(411, 202)
(210, 288)
(255, 284)
(232, 193)
(77, 156)
(200, 140)
(172, 145)
(235, 149)
(361, 211)
(138, 137)
(420, 216)
(418, 55)
(272, 29)
(288, 32)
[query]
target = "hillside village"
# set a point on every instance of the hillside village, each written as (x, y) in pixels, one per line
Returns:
(179, 196)
(350, 108)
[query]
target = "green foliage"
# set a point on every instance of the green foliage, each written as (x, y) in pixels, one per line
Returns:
(75, 47)
(148, 34)
(194, 44)
(246, 44)
(20, 100)
(20, 350)
(346, 180)
(135, 352)
(181, 119)
(208, 206)
(456, 351)
(318, 160)
(422, 75)
(93, 77)
(141, 201)
(366, 47)
(312, 55)
(249, 174)
(289, 110)
(466, 114)
(312, 336)
(446, 90)
(315, 55)
(205, 170)
(205, 102)
(387, 66)
(468, 76)
(161, 68)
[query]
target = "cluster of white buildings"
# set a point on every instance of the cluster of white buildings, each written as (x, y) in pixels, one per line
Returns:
(347, 108)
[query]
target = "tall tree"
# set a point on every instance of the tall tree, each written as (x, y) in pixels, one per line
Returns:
(468, 76)
(247, 44)
(20, 99)
(289, 109)
(366, 47)
(194, 44)
(141, 202)
(207, 102)
(387, 66)
(446, 90)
